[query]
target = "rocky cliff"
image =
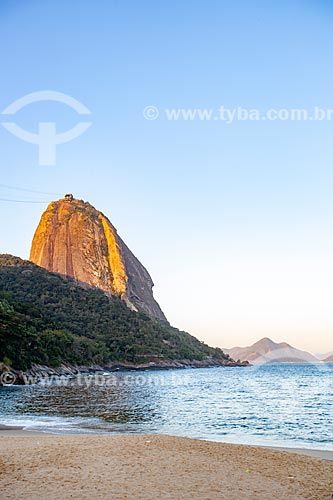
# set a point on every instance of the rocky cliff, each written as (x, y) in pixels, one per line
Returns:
(76, 240)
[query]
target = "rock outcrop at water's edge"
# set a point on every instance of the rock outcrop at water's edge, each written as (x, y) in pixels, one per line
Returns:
(38, 373)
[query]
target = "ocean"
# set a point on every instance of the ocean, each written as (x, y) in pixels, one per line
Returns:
(289, 405)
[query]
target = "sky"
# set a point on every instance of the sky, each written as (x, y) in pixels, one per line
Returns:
(232, 220)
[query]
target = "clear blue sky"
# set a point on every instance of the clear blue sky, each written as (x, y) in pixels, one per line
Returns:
(234, 222)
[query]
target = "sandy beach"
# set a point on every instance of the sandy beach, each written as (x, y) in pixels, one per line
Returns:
(36, 466)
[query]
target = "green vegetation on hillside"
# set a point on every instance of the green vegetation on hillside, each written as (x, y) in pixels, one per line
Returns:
(49, 319)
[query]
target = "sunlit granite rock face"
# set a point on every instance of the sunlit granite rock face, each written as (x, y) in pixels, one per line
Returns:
(76, 240)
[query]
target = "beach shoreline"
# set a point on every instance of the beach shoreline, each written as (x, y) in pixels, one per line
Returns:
(20, 431)
(38, 465)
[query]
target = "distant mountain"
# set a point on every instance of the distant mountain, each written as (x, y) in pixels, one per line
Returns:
(324, 356)
(329, 359)
(267, 351)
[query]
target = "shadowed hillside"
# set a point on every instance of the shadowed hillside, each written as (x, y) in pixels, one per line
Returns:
(49, 319)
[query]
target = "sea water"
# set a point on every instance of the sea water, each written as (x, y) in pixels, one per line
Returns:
(272, 404)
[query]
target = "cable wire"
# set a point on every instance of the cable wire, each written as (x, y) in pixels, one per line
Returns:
(24, 201)
(27, 190)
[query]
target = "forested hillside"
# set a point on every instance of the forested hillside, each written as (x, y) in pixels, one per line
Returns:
(49, 319)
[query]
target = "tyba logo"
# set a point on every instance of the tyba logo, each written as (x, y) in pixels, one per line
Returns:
(47, 138)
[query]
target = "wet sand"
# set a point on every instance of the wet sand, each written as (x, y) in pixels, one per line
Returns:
(323, 454)
(35, 466)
